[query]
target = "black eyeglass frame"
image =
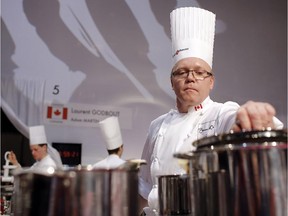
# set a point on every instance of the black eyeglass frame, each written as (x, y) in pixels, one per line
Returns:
(187, 72)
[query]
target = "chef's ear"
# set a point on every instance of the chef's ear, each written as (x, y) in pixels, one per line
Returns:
(172, 86)
(171, 77)
(212, 81)
(46, 147)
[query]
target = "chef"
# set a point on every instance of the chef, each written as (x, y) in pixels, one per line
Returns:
(196, 114)
(43, 153)
(111, 133)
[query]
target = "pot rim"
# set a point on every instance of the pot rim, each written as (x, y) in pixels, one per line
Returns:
(249, 138)
(173, 176)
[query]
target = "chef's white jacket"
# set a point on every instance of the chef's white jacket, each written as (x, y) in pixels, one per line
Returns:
(110, 162)
(44, 164)
(174, 132)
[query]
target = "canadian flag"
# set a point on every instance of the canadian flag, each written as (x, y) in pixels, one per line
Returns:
(60, 113)
(198, 107)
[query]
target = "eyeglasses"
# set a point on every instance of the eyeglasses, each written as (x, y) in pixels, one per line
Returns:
(197, 74)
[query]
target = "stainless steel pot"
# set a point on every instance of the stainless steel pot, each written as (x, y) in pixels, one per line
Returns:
(31, 193)
(78, 191)
(174, 195)
(240, 174)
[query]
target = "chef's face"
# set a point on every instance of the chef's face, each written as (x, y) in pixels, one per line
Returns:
(190, 91)
(38, 151)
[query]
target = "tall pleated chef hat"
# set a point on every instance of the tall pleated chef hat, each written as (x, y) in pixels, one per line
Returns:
(192, 33)
(37, 135)
(111, 133)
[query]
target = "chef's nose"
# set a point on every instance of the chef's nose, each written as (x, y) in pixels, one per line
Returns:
(190, 75)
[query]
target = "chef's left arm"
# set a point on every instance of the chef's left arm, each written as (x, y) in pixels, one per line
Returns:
(256, 116)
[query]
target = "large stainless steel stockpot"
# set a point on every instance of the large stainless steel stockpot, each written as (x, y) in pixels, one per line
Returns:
(239, 174)
(78, 191)
(174, 195)
(32, 189)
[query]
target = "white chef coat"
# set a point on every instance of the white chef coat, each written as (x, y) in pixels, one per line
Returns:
(110, 162)
(54, 154)
(175, 132)
(44, 164)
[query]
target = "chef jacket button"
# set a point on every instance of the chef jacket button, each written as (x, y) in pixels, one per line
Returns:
(154, 160)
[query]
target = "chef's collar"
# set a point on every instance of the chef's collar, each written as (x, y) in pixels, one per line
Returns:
(113, 156)
(200, 107)
(194, 109)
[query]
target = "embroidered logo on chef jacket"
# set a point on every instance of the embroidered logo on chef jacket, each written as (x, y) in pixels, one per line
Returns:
(206, 129)
(198, 107)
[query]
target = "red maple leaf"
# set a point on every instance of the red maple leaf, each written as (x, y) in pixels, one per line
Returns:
(57, 112)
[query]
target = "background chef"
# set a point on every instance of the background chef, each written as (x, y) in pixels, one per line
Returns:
(43, 153)
(110, 130)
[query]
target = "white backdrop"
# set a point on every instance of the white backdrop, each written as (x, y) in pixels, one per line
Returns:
(91, 59)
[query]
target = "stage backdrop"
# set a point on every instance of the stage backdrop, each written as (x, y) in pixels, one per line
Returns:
(68, 64)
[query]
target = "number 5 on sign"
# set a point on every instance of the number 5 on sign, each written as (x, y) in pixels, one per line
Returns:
(56, 90)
